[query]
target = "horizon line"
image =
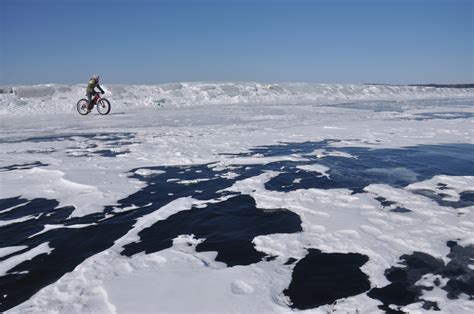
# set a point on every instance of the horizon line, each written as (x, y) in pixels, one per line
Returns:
(429, 84)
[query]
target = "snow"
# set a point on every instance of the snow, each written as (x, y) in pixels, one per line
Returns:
(316, 168)
(150, 219)
(11, 262)
(4, 251)
(455, 185)
(147, 172)
(52, 184)
(56, 98)
(219, 125)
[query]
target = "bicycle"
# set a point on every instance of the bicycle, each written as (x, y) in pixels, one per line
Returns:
(103, 105)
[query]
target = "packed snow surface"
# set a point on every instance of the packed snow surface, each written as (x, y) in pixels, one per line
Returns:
(237, 197)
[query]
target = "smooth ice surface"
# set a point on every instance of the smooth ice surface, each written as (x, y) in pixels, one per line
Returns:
(211, 197)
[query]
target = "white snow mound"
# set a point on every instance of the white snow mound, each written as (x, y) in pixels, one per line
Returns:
(51, 98)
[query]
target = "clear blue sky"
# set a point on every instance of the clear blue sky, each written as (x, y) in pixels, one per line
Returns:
(146, 41)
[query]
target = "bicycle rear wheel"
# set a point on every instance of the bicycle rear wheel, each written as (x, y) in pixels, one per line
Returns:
(82, 107)
(103, 106)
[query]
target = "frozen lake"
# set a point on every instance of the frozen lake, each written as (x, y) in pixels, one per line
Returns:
(238, 198)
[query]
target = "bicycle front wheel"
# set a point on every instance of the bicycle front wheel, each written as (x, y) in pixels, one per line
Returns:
(103, 106)
(82, 107)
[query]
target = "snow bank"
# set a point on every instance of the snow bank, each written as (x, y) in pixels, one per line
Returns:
(63, 98)
(33, 91)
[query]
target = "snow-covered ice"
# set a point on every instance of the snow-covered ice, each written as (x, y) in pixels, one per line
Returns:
(224, 197)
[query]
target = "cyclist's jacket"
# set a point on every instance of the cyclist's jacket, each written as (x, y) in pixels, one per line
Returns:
(93, 84)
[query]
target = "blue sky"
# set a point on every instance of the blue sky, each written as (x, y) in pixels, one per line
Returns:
(146, 41)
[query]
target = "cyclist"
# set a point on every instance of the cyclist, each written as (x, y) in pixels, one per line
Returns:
(93, 83)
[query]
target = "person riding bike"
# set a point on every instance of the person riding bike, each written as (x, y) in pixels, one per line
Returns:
(90, 91)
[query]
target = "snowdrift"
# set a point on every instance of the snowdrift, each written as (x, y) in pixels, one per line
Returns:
(51, 98)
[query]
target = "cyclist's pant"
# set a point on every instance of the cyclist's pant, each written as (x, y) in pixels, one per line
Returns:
(90, 96)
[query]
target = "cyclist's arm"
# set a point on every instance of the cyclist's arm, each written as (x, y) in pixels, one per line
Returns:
(100, 88)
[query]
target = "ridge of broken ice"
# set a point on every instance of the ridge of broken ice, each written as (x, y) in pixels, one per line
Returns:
(57, 98)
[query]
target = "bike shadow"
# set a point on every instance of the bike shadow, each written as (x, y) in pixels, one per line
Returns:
(111, 114)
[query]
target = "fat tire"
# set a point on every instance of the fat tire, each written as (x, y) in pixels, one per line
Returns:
(103, 106)
(81, 108)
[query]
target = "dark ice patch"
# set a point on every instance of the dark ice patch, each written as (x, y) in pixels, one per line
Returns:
(430, 305)
(401, 106)
(466, 198)
(88, 143)
(108, 148)
(228, 228)
(10, 202)
(390, 205)
(291, 261)
(442, 186)
(174, 182)
(103, 137)
(395, 167)
(35, 208)
(400, 209)
(110, 153)
(376, 106)
(384, 202)
(403, 289)
(37, 151)
(70, 246)
(442, 115)
(322, 278)
(293, 178)
(24, 166)
(461, 276)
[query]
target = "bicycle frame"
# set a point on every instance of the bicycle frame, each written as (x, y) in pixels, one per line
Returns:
(96, 98)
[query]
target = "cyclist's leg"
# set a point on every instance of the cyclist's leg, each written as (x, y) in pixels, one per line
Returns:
(89, 101)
